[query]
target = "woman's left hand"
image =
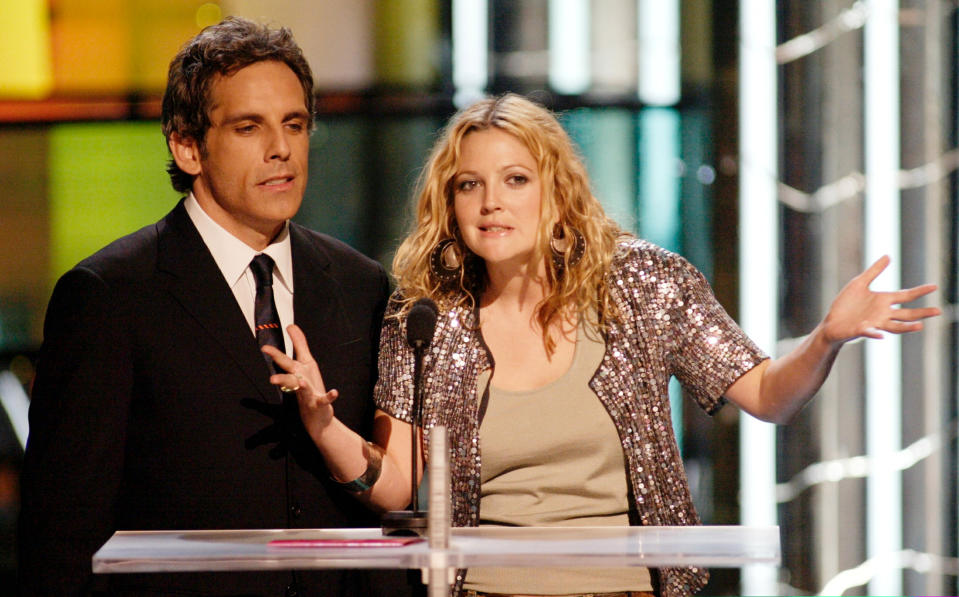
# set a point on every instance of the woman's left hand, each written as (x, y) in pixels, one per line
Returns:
(303, 377)
(858, 311)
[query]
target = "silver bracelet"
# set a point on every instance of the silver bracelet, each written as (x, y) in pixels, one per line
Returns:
(374, 465)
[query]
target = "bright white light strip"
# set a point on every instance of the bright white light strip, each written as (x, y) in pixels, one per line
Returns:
(470, 50)
(659, 74)
(855, 467)
(569, 55)
(803, 45)
(759, 260)
(883, 358)
(16, 403)
(907, 559)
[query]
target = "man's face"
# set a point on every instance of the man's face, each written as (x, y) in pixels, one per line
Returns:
(252, 170)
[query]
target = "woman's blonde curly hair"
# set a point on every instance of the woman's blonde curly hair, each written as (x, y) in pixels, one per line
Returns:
(568, 207)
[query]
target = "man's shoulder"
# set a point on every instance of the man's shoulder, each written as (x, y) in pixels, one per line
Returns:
(132, 255)
(106, 280)
(139, 255)
(340, 254)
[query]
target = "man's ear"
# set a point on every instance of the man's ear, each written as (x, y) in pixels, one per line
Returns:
(186, 153)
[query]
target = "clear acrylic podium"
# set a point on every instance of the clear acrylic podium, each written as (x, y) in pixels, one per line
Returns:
(444, 549)
(194, 551)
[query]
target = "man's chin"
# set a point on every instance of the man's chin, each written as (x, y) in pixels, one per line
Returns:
(279, 207)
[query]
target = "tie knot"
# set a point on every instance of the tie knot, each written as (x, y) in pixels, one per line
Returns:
(262, 268)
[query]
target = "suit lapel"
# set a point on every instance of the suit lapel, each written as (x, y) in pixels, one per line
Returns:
(198, 285)
(317, 297)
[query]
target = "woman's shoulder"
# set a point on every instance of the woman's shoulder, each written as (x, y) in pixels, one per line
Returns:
(635, 253)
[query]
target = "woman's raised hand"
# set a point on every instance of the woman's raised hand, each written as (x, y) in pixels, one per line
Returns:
(303, 377)
(858, 311)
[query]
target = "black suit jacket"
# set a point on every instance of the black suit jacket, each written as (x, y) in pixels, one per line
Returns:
(152, 409)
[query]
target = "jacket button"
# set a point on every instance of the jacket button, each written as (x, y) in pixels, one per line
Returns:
(296, 511)
(291, 590)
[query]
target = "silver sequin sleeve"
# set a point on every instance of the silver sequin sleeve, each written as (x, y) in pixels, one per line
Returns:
(670, 301)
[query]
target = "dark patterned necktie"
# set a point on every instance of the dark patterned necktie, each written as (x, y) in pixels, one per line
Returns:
(265, 317)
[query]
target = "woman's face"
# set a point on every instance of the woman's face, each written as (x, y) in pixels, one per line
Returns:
(497, 197)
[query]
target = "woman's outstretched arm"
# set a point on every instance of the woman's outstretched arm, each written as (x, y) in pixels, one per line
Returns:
(776, 390)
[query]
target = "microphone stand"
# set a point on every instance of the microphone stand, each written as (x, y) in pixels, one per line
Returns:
(413, 522)
(418, 350)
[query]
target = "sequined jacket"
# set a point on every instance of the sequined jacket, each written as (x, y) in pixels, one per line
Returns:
(669, 324)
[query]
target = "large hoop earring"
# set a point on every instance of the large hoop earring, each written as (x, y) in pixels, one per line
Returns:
(561, 252)
(446, 262)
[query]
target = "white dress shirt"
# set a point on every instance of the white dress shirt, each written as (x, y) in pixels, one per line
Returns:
(233, 257)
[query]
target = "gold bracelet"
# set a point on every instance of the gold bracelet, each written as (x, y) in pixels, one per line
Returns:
(374, 465)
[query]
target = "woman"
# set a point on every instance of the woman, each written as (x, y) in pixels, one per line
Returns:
(556, 339)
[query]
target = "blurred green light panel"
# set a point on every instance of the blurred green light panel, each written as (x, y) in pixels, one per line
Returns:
(698, 177)
(659, 201)
(27, 70)
(606, 140)
(337, 188)
(659, 181)
(106, 180)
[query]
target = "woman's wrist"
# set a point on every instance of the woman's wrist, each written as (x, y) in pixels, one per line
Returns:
(374, 466)
(827, 336)
(317, 421)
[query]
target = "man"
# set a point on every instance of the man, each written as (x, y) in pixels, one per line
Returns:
(152, 405)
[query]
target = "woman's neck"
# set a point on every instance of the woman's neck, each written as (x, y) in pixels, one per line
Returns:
(513, 287)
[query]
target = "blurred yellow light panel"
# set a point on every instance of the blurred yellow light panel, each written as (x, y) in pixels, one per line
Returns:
(25, 49)
(407, 32)
(160, 28)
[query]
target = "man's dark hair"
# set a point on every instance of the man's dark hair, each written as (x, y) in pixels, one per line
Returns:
(221, 50)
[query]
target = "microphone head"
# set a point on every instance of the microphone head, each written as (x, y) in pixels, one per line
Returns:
(421, 322)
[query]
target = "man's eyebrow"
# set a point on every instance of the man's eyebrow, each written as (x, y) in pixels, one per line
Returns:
(258, 118)
(241, 117)
(302, 114)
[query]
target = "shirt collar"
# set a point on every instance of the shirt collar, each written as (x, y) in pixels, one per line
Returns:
(232, 255)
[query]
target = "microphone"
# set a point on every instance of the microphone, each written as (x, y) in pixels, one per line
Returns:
(420, 325)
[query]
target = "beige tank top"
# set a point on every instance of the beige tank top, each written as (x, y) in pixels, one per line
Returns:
(552, 457)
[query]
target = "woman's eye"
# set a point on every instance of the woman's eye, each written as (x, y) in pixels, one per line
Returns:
(517, 179)
(466, 185)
